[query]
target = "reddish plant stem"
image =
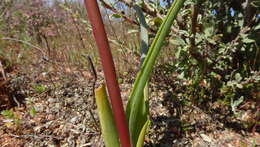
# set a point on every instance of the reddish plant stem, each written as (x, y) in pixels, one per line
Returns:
(109, 70)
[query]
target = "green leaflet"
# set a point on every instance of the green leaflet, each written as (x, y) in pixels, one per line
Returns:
(136, 105)
(107, 122)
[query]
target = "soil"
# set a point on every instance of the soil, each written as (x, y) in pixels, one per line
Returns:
(63, 113)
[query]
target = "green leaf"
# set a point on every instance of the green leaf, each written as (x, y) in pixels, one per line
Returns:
(8, 114)
(236, 103)
(211, 41)
(209, 30)
(178, 53)
(238, 77)
(229, 28)
(32, 112)
(256, 3)
(247, 40)
(181, 76)
(39, 88)
(141, 137)
(257, 27)
(116, 16)
(136, 108)
(107, 122)
(157, 21)
(240, 86)
(177, 41)
(142, 116)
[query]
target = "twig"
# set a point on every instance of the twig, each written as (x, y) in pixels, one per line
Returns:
(107, 6)
(24, 42)
(117, 12)
(148, 10)
(35, 136)
(16, 101)
(94, 73)
(110, 23)
(93, 89)
(2, 70)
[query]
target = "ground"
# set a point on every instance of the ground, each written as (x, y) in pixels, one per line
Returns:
(56, 107)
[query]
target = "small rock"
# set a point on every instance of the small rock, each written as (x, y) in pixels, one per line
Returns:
(74, 120)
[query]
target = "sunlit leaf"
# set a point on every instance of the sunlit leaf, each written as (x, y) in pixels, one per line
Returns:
(136, 102)
(107, 122)
(177, 41)
(247, 40)
(141, 137)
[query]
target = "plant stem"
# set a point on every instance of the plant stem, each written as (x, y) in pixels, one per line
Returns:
(109, 70)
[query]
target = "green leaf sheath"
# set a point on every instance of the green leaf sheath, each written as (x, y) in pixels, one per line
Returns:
(107, 122)
(143, 107)
(141, 137)
(134, 106)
